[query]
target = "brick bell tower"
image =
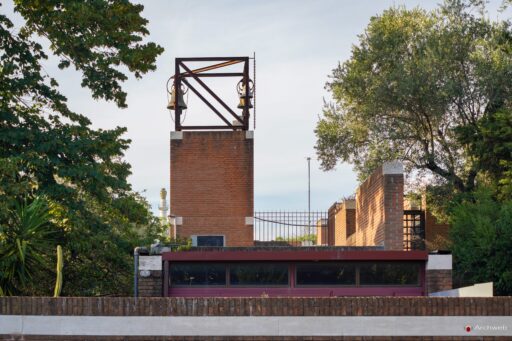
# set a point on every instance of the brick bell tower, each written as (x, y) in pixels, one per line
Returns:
(212, 166)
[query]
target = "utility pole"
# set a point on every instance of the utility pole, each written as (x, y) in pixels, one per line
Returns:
(309, 195)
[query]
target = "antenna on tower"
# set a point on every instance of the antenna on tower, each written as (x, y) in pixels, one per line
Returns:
(254, 88)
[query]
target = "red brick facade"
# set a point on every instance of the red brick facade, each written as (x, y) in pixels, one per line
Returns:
(379, 208)
(436, 233)
(439, 280)
(151, 285)
(212, 185)
(322, 233)
(343, 223)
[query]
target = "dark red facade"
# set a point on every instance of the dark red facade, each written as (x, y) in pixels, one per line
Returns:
(293, 260)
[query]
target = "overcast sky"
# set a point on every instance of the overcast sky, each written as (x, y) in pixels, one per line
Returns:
(297, 44)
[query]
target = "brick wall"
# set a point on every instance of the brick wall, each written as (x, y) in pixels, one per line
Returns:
(438, 280)
(379, 208)
(257, 306)
(197, 307)
(439, 272)
(322, 233)
(344, 222)
(370, 210)
(436, 233)
(149, 276)
(212, 184)
(331, 223)
(150, 286)
(350, 219)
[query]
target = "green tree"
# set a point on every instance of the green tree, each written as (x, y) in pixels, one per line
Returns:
(481, 236)
(46, 149)
(416, 84)
(491, 147)
(25, 241)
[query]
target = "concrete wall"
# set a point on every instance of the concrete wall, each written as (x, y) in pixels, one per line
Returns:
(212, 182)
(379, 208)
(476, 290)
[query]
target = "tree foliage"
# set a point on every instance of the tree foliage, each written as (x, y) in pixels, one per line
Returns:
(47, 149)
(96, 37)
(25, 238)
(417, 83)
(481, 236)
(491, 147)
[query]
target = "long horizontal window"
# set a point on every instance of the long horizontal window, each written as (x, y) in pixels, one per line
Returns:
(389, 273)
(326, 274)
(258, 274)
(194, 274)
(319, 274)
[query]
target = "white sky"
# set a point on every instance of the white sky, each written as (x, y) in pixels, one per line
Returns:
(297, 44)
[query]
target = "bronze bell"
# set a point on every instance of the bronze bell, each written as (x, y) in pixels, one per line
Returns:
(243, 95)
(241, 105)
(181, 102)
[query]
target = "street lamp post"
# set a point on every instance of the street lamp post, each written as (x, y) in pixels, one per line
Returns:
(309, 195)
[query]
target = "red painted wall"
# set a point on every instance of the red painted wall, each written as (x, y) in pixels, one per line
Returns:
(293, 256)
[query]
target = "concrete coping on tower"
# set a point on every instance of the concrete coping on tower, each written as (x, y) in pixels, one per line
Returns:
(176, 135)
(350, 204)
(392, 167)
(439, 262)
(151, 263)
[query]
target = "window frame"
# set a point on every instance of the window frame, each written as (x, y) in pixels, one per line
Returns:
(195, 239)
(288, 274)
(357, 283)
(415, 263)
(226, 274)
(296, 277)
(292, 267)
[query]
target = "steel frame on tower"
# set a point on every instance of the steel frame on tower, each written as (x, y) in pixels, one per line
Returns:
(183, 74)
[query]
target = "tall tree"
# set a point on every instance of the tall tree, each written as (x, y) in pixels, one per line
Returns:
(46, 149)
(417, 82)
(481, 237)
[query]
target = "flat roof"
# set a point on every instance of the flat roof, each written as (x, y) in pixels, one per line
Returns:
(292, 254)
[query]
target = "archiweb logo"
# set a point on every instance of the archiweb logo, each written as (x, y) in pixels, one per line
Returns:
(485, 327)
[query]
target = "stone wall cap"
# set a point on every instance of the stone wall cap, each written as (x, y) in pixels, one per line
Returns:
(392, 167)
(350, 204)
(176, 135)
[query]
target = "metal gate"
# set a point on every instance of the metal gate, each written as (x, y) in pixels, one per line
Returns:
(282, 228)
